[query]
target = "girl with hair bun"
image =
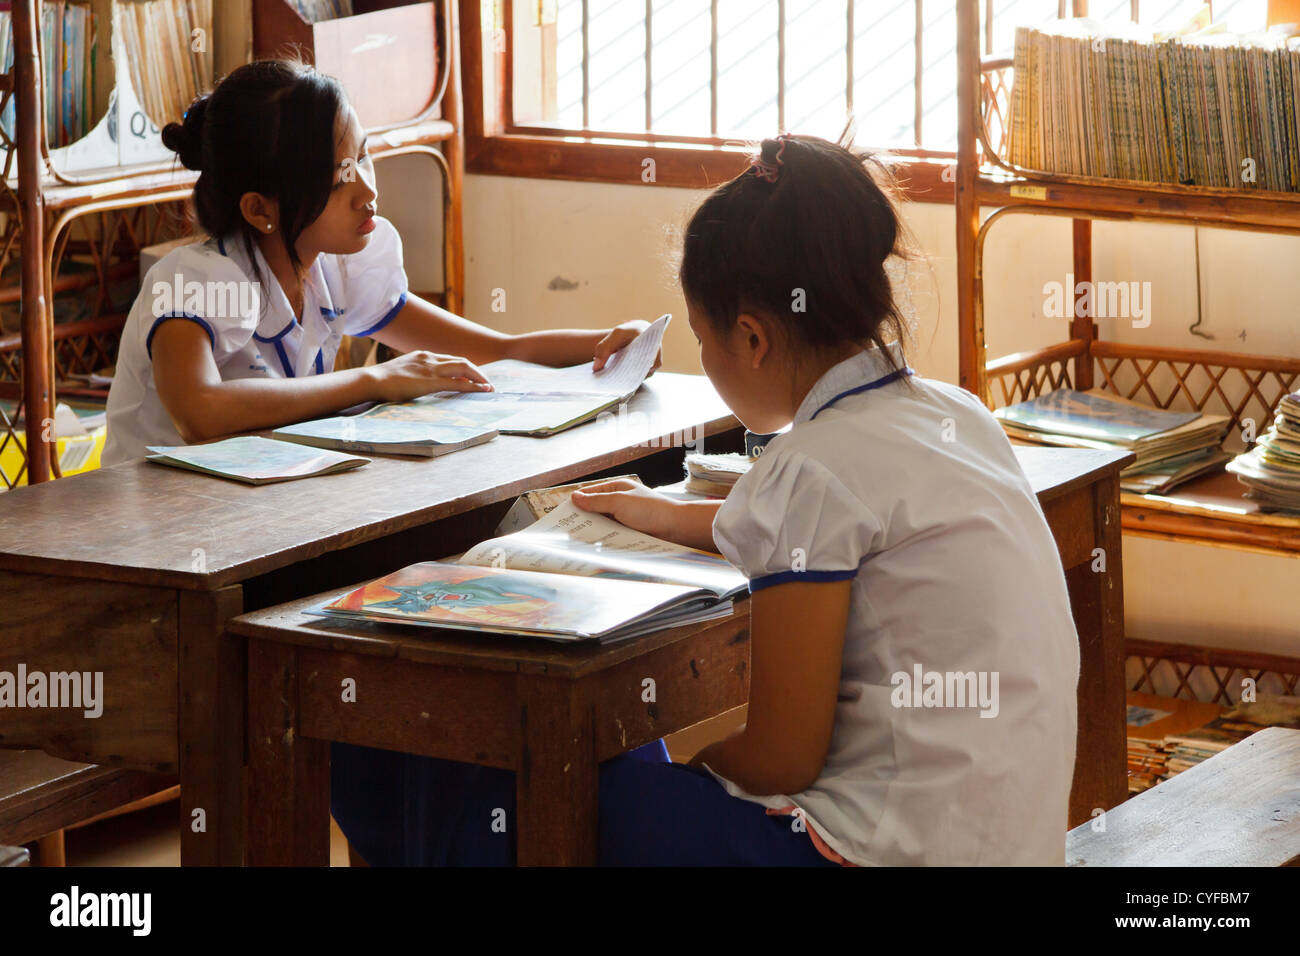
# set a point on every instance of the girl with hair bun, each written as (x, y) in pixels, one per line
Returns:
(913, 658)
(239, 333)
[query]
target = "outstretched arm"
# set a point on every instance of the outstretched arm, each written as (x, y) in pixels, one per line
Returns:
(203, 406)
(423, 325)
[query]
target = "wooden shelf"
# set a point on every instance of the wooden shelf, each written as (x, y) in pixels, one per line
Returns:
(1207, 511)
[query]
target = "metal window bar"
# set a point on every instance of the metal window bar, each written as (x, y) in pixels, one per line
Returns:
(586, 68)
(649, 72)
(919, 105)
(1065, 8)
(780, 66)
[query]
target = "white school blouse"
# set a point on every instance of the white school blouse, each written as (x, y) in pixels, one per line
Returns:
(914, 494)
(210, 283)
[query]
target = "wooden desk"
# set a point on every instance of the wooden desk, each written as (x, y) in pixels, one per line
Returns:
(1079, 491)
(134, 571)
(553, 712)
(550, 712)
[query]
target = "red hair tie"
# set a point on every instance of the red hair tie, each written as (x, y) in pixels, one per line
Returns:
(769, 172)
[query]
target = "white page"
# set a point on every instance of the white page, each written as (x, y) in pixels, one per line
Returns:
(622, 375)
(570, 541)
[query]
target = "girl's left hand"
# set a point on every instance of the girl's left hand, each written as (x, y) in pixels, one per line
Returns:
(617, 338)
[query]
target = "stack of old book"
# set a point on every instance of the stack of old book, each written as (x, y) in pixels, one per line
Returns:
(1150, 720)
(1186, 750)
(1171, 447)
(1271, 470)
(715, 475)
(1201, 106)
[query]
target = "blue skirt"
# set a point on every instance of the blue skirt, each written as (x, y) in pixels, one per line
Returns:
(403, 810)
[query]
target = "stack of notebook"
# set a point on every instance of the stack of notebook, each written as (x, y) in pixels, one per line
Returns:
(715, 475)
(1171, 447)
(1150, 720)
(1271, 470)
(1186, 750)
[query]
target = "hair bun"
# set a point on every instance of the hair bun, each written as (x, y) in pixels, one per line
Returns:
(186, 139)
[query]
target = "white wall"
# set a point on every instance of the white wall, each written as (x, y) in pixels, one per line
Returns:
(590, 255)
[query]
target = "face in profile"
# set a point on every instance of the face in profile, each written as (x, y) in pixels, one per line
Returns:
(345, 225)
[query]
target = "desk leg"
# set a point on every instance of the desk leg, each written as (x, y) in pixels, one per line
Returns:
(211, 728)
(288, 774)
(1098, 602)
(557, 779)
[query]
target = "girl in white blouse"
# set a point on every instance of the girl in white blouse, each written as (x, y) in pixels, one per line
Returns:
(239, 333)
(913, 655)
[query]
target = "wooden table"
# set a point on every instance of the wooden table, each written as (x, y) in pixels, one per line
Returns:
(1079, 492)
(550, 712)
(553, 712)
(134, 571)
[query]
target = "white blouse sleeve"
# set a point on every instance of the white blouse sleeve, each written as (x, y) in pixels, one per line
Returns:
(791, 519)
(198, 284)
(374, 282)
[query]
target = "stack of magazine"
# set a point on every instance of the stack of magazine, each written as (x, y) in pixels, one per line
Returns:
(1271, 470)
(1171, 447)
(572, 575)
(715, 475)
(69, 49)
(1186, 750)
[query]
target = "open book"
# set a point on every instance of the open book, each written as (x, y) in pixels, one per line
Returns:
(532, 399)
(570, 576)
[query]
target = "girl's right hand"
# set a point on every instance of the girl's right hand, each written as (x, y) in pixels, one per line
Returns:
(419, 373)
(632, 504)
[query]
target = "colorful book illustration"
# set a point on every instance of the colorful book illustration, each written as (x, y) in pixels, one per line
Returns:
(526, 603)
(532, 399)
(570, 575)
(254, 460)
(384, 436)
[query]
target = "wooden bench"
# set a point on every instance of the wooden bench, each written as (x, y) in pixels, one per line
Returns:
(41, 796)
(1239, 808)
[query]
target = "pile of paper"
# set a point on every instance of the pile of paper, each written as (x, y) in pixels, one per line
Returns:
(1150, 720)
(1171, 447)
(1271, 470)
(1188, 749)
(715, 475)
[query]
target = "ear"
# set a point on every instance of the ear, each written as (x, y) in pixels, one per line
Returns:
(755, 342)
(260, 212)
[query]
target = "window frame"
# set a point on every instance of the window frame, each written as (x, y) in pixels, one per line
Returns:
(494, 145)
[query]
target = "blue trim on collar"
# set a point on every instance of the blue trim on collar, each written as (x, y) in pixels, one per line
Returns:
(783, 577)
(148, 342)
(293, 323)
(391, 314)
(221, 245)
(284, 357)
(878, 383)
(320, 363)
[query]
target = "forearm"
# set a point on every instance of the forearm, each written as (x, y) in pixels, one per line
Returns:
(557, 347)
(692, 524)
(251, 404)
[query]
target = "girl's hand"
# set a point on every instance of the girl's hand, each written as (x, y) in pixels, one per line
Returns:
(630, 503)
(617, 338)
(419, 373)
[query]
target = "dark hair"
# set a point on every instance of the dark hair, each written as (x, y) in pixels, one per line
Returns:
(268, 127)
(810, 216)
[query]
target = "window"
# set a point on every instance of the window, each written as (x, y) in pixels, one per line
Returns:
(588, 88)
